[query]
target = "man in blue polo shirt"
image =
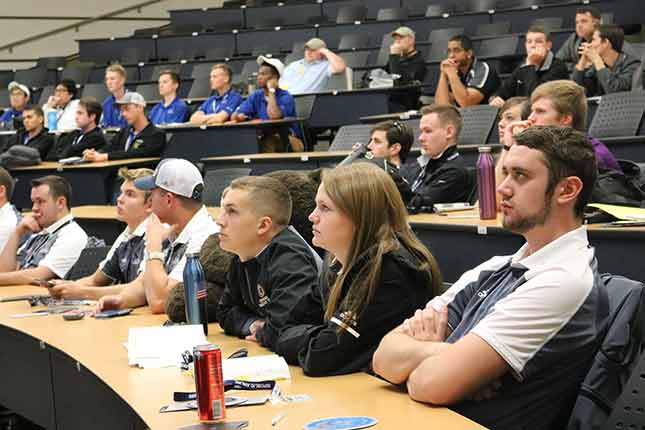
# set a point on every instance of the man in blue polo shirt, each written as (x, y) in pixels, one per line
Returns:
(270, 102)
(171, 109)
(312, 72)
(18, 98)
(219, 107)
(510, 342)
(115, 77)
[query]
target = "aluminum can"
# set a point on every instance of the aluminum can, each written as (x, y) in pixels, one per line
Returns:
(209, 383)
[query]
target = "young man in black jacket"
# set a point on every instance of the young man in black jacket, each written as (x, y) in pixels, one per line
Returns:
(88, 136)
(140, 139)
(273, 266)
(540, 66)
(34, 134)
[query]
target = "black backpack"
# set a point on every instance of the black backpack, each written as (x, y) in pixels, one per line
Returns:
(620, 188)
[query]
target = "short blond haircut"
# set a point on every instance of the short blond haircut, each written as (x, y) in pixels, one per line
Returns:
(267, 196)
(117, 68)
(132, 174)
(568, 98)
(448, 114)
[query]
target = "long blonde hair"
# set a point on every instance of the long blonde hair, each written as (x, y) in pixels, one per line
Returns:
(368, 196)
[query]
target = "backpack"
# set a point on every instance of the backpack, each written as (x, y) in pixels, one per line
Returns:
(620, 188)
(20, 155)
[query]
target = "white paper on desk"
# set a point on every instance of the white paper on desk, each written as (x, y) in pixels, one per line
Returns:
(258, 368)
(155, 347)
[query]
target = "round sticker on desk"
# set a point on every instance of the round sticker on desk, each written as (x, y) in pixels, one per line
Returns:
(341, 423)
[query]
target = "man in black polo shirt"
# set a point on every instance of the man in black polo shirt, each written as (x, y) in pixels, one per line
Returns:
(140, 139)
(465, 80)
(407, 62)
(34, 134)
(444, 178)
(88, 136)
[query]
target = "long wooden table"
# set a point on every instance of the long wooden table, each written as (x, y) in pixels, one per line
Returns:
(75, 375)
(92, 183)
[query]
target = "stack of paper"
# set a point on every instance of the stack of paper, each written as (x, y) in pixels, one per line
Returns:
(155, 347)
(259, 368)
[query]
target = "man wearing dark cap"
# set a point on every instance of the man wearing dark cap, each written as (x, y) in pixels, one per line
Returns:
(312, 72)
(140, 139)
(407, 62)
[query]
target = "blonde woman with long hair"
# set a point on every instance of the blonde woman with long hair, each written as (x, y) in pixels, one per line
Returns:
(377, 272)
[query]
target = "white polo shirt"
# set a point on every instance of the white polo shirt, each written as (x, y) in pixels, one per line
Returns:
(66, 116)
(57, 247)
(8, 222)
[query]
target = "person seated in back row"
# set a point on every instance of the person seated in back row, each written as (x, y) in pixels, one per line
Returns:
(34, 134)
(64, 104)
(88, 135)
(510, 342)
(171, 109)
(18, 98)
(311, 74)
(269, 102)
(115, 77)
(140, 139)
(56, 240)
(122, 263)
(273, 265)
(219, 107)
(406, 61)
(444, 178)
(376, 273)
(9, 215)
(465, 80)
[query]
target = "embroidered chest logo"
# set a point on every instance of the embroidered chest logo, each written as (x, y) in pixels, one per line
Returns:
(263, 299)
(137, 143)
(483, 293)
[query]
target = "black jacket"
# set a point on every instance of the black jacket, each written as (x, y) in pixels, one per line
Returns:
(321, 348)
(72, 144)
(525, 79)
(149, 143)
(43, 141)
(411, 69)
(442, 180)
(267, 287)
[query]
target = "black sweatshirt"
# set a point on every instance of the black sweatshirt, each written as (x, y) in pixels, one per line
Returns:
(149, 143)
(72, 144)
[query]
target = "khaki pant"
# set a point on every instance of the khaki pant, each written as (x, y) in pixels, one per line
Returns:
(273, 143)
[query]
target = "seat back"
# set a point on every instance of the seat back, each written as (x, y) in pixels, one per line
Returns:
(217, 180)
(97, 90)
(618, 114)
(349, 135)
(88, 262)
(351, 13)
(479, 121)
(392, 14)
(353, 41)
(493, 29)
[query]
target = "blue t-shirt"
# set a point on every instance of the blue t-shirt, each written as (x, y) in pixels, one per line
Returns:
(227, 102)
(255, 106)
(112, 114)
(175, 112)
(10, 114)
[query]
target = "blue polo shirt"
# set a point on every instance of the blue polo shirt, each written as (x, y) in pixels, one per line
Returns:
(227, 102)
(255, 106)
(302, 77)
(112, 114)
(175, 112)
(10, 114)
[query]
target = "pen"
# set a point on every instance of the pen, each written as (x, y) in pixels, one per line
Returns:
(278, 418)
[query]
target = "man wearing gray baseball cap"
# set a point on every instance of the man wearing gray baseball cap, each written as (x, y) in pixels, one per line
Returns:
(311, 73)
(140, 139)
(177, 188)
(407, 62)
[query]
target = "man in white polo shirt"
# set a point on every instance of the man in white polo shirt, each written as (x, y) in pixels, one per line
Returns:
(122, 263)
(9, 215)
(312, 72)
(177, 188)
(510, 342)
(57, 240)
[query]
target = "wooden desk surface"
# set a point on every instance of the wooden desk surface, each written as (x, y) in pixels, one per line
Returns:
(251, 123)
(55, 165)
(98, 345)
(282, 156)
(100, 212)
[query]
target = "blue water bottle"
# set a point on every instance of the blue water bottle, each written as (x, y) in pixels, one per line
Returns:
(195, 293)
(52, 120)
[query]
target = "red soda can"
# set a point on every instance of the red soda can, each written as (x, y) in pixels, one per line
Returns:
(209, 382)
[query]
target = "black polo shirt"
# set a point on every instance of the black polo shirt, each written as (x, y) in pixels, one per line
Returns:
(150, 142)
(481, 77)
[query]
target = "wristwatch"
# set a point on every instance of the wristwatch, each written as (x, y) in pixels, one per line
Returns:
(156, 255)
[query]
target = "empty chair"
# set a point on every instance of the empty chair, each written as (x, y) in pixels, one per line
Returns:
(186, 28)
(148, 91)
(493, 29)
(270, 22)
(550, 24)
(98, 90)
(476, 5)
(619, 114)
(201, 71)
(498, 47)
(45, 94)
(87, 262)
(438, 52)
(392, 14)
(298, 47)
(156, 70)
(384, 53)
(515, 4)
(264, 50)
(349, 135)
(200, 89)
(51, 62)
(217, 180)
(78, 73)
(36, 77)
(336, 82)
(435, 10)
(304, 105)
(442, 35)
(354, 41)
(250, 68)
(4, 98)
(133, 55)
(219, 53)
(351, 13)
(356, 59)
(479, 121)
(6, 76)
